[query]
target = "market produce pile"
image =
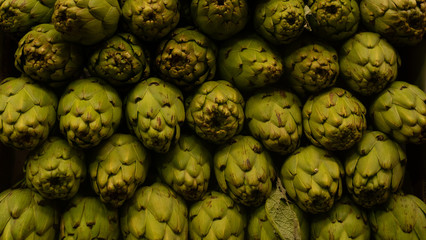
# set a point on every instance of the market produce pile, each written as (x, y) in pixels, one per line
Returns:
(212, 119)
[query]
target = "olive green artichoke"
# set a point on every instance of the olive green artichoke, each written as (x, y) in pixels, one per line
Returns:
(215, 111)
(27, 112)
(86, 22)
(155, 112)
(216, 216)
(274, 117)
(45, 56)
(368, 63)
(400, 111)
(334, 119)
(312, 177)
(89, 111)
(154, 212)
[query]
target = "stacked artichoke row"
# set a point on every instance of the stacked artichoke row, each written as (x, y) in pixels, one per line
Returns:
(211, 119)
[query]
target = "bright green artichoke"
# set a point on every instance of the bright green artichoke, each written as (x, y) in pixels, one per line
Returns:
(186, 168)
(279, 22)
(86, 22)
(87, 218)
(89, 111)
(215, 111)
(274, 117)
(368, 63)
(25, 214)
(216, 216)
(402, 22)
(45, 56)
(155, 112)
(312, 177)
(121, 60)
(117, 167)
(154, 212)
(400, 111)
(220, 19)
(334, 119)
(27, 112)
(150, 20)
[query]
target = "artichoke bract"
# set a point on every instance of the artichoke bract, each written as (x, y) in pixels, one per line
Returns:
(27, 112)
(86, 217)
(121, 60)
(118, 166)
(89, 111)
(215, 111)
(216, 216)
(334, 119)
(274, 117)
(187, 167)
(187, 58)
(155, 112)
(25, 214)
(312, 177)
(45, 56)
(279, 22)
(86, 22)
(368, 63)
(55, 169)
(154, 212)
(400, 111)
(220, 19)
(150, 20)
(402, 22)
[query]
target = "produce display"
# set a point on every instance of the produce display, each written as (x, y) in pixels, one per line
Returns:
(211, 119)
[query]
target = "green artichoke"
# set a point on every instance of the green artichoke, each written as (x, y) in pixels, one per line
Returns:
(154, 212)
(368, 63)
(118, 166)
(86, 21)
(186, 167)
(155, 112)
(220, 19)
(402, 22)
(150, 20)
(312, 177)
(274, 117)
(187, 58)
(121, 60)
(87, 218)
(216, 216)
(45, 56)
(400, 111)
(279, 22)
(27, 112)
(89, 111)
(334, 119)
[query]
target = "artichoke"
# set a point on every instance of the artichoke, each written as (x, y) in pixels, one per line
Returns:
(400, 111)
(89, 111)
(334, 119)
(27, 112)
(121, 60)
(279, 22)
(220, 19)
(154, 212)
(312, 177)
(368, 63)
(118, 166)
(274, 117)
(216, 216)
(187, 58)
(86, 21)
(155, 112)
(45, 56)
